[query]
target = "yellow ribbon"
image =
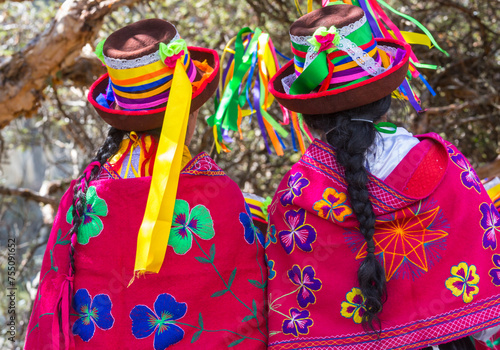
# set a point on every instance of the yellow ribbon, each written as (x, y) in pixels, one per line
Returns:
(154, 233)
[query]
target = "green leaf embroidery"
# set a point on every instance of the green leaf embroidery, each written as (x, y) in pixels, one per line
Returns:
(200, 321)
(202, 260)
(236, 342)
(219, 293)
(196, 336)
(255, 283)
(212, 252)
(248, 318)
(231, 278)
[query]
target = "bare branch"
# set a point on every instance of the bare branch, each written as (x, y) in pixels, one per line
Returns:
(24, 75)
(29, 195)
(483, 100)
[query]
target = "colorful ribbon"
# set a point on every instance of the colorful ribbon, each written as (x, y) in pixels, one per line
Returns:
(154, 233)
(243, 82)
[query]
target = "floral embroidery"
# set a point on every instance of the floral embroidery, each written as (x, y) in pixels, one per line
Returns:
(332, 206)
(185, 223)
(495, 273)
(490, 222)
(463, 282)
(161, 321)
(300, 233)
(354, 306)
(271, 272)
(307, 284)
(299, 322)
(469, 177)
(251, 231)
(408, 241)
(91, 313)
(271, 236)
(91, 225)
(295, 185)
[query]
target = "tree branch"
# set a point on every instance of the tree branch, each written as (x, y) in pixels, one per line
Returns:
(29, 195)
(23, 76)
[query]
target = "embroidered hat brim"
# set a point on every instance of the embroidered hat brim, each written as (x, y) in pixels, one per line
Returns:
(338, 64)
(343, 98)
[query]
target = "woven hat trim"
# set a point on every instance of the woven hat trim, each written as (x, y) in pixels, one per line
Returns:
(311, 96)
(118, 112)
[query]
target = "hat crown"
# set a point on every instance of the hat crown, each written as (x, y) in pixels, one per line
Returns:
(336, 15)
(139, 39)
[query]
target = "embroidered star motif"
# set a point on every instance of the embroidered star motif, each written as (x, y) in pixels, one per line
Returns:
(404, 238)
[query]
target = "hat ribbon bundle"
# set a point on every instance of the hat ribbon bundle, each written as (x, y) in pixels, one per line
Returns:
(314, 55)
(151, 73)
(245, 81)
(382, 27)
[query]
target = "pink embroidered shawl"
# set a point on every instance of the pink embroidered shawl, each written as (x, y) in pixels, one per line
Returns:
(210, 290)
(435, 235)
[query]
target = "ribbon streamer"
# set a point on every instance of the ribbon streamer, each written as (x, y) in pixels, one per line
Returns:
(154, 233)
(243, 91)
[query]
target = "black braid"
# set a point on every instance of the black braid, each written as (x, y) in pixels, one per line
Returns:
(351, 139)
(110, 146)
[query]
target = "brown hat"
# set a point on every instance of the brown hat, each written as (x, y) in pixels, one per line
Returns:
(337, 64)
(140, 59)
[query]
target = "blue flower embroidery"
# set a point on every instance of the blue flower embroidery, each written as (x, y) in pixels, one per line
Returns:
(161, 321)
(250, 230)
(271, 236)
(91, 313)
(271, 272)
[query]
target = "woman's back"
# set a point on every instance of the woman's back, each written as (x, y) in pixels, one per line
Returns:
(434, 238)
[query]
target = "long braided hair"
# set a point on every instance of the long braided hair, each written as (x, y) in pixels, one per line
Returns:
(110, 146)
(351, 139)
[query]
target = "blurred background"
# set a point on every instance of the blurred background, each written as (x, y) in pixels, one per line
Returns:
(48, 130)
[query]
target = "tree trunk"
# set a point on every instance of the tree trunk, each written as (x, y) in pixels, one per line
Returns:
(24, 75)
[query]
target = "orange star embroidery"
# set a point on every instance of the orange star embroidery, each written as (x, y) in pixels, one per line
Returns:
(404, 238)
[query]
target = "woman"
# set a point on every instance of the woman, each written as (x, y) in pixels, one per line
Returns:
(377, 239)
(151, 249)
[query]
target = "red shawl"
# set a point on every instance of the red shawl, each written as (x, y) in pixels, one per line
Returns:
(435, 235)
(210, 290)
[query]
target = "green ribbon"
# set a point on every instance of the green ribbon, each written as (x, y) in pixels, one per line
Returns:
(98, 51)
(316, 72)
(312, 76)
(228, 105)
(265, 205)
(417, 23)
(172, 48)
(386, 127)
(423, 65)
(301, 124)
